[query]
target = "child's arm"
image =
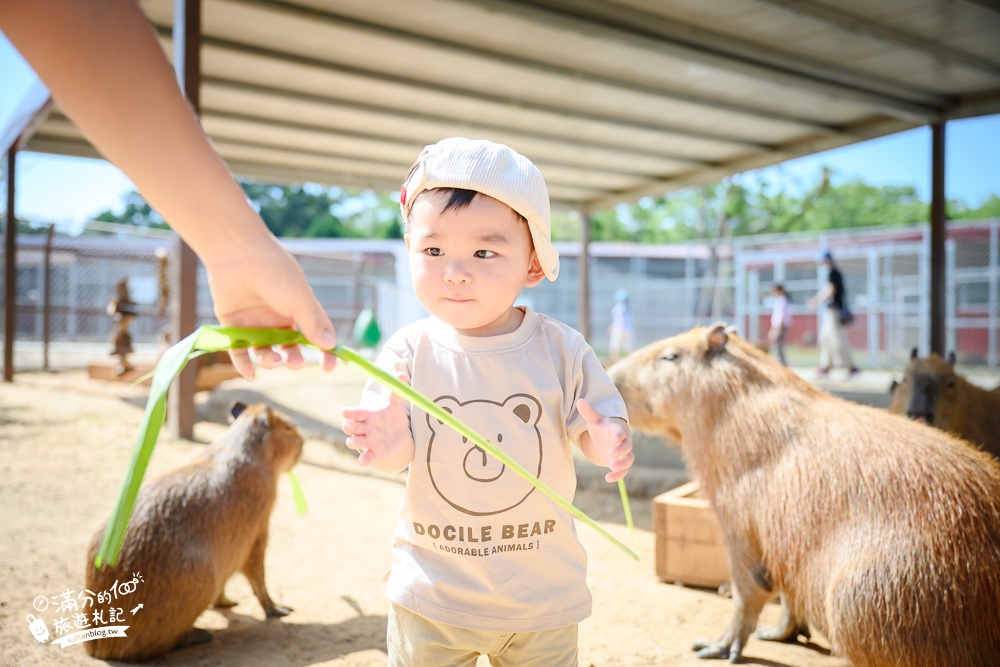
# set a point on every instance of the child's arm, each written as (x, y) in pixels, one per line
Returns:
(607, 441)
(381, 434)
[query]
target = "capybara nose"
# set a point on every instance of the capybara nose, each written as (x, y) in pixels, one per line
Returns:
(920, 416)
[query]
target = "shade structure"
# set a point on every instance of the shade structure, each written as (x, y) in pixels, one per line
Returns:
(614, 100)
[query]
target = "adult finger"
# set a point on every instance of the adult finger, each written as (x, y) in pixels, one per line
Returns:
(241, 362)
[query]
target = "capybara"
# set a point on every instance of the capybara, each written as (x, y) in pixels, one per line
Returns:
(882, 533)
(932, 392)
(193, 528)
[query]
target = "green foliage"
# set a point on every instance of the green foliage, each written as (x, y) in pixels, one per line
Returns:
(990, 208)
(137, 212)
(740, 205)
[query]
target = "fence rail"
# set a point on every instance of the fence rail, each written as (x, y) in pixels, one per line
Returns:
(671, 288)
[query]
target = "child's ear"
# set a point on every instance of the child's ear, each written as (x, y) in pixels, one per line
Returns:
(535, 272)
(406, 237)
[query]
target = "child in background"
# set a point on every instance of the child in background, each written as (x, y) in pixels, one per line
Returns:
(620, 330)
(781, 319)
(483, 563)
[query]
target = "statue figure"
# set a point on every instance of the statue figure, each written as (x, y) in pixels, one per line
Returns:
(121, 309)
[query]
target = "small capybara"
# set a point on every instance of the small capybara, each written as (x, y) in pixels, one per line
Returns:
(932, 392)
(193, 528)
(882, 533)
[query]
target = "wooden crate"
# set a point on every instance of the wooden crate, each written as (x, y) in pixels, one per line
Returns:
(690, 548)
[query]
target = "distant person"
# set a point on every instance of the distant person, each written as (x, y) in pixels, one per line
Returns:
(104, 66)
(834, 350)
(781, 320)
(620, 329)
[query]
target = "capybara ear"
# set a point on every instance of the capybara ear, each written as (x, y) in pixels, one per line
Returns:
(951, 358)
(237, 409)
(716, 338)
(892, 386)
(914, 353)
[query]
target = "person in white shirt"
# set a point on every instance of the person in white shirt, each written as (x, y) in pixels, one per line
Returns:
(781, 320)
(484, 563)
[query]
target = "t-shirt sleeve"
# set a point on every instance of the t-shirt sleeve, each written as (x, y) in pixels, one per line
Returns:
(591, 382)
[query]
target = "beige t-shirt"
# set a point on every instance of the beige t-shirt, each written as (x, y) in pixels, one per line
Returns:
(475, 545)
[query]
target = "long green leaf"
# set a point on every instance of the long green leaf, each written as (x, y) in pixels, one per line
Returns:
(215, 339)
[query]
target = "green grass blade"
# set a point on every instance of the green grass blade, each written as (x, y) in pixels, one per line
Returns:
(216, 339)
(167, 368)
(623, 492)
(297, 495)
(406, 391)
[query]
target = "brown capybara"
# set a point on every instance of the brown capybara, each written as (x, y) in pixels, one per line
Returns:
(932, 392)
(882, 533)
(192, 529)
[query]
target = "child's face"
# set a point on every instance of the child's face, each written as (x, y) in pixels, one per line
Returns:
(468, 265)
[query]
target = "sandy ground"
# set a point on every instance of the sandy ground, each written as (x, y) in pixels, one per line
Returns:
(64, 445)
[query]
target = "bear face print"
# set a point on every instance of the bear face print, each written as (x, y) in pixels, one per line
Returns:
(468, 478)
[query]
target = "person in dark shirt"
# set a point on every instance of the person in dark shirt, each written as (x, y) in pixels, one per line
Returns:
(833, 346)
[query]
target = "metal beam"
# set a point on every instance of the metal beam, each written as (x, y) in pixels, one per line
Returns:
(869, 27)
(991, 5)
(706, 43)
(401, 87)
(184, 263)
(808, 146)
(10, 269)
(903, 102)
(939, 224)
(583, 264)
(514, 63)
(401, 115)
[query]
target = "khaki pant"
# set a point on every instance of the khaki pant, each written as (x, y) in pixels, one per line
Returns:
(833, 347)
(415, 641)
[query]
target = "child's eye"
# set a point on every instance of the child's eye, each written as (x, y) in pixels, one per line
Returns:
(434, 252)
(484, 254)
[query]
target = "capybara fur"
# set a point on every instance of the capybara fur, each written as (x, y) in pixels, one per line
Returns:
(882, 533)
(193, 528)
(932, 392)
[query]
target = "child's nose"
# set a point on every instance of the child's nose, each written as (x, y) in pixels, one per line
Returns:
(456, 272)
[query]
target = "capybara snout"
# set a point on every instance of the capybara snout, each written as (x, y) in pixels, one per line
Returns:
(881, 533)
(193, 528)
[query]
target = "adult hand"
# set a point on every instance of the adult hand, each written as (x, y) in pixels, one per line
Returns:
(263, 286)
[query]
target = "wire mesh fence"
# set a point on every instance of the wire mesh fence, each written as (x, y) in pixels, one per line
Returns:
(64, 285)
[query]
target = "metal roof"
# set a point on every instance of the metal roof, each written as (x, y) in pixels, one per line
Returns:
(612, 99)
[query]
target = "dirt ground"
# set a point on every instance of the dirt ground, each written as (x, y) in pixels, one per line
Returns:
(65, 442)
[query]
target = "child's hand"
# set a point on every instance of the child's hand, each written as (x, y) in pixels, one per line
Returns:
(608, 442)
(381, 435)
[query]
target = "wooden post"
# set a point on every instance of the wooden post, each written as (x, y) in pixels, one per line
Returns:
(184, 263)
(583, 298)
(47, 298)
(939, 222)
(10, 269)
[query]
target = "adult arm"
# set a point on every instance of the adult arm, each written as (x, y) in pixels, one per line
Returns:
(104, 66)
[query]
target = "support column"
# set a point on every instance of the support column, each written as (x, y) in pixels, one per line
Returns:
(583, 298)
(184, 263)
(10, 269)
(938, 231)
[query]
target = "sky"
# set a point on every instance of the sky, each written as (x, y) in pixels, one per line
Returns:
(69, 190)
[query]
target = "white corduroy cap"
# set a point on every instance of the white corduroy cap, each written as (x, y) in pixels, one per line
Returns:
(494, 170)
